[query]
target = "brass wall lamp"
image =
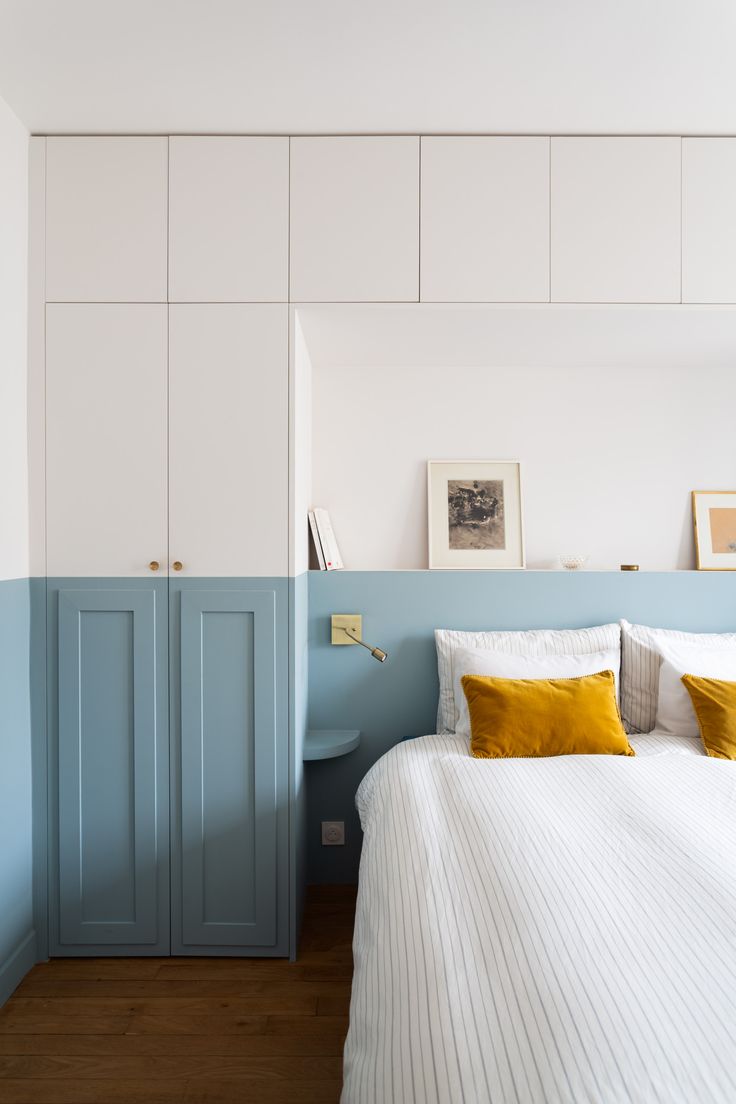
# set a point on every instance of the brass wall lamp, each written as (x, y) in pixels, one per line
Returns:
(347, 628)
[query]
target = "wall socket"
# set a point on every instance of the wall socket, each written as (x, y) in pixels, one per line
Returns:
(333, 833)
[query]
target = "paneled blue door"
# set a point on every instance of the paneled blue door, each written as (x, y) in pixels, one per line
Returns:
(111, 739)
(226, 823)
(168, 728)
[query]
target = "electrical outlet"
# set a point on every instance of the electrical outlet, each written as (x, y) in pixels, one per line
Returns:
(333, 833)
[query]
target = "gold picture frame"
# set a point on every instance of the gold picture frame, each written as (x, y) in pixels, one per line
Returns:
(714, 524)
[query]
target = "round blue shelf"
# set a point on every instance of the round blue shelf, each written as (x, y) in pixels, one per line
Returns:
(329, 743)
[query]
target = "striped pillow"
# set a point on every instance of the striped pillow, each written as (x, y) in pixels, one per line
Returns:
(641, 659)
(533, 642)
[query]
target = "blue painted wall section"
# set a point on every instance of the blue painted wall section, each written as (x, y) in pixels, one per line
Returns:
(347, 689)
(39, 754)
(17, 934)
(298, 719)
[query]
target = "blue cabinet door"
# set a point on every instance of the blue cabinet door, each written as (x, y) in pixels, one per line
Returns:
(121, 690)
(227, 824)
(109, 733)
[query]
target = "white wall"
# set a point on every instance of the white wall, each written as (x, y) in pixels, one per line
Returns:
(610, 453)
(300, 445)
(13, 323)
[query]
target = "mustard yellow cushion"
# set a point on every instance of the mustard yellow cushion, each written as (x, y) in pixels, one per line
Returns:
(520, 718)
(714, 702)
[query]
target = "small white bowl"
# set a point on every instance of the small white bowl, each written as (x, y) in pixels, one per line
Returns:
(573, 563)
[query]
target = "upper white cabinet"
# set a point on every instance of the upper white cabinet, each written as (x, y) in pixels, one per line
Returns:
(228, 219)
(105, 439)
(228, 439)
(709, 220)
(615, 220)
(106, 219)
(354, 219)
(485, 220)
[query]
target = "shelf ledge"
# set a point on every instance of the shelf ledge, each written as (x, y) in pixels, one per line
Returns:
(329, 743)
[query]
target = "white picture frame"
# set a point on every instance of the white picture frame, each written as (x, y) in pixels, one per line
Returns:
(475, 528)
(714, 521)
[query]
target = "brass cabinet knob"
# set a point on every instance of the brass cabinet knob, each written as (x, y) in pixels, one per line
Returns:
(177, 565)
(154, 565)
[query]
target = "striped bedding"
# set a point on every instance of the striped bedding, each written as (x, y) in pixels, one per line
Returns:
(545, 930)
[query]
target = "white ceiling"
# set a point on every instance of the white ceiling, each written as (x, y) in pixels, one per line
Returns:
(394, 66)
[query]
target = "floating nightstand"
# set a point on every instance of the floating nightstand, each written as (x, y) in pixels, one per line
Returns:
(329, 743)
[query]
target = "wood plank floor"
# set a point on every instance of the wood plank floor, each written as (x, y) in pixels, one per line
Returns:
(189, 1030)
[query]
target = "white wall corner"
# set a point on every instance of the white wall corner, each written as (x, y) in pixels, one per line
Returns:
(300, 446)
(37, 357)
(13, 345)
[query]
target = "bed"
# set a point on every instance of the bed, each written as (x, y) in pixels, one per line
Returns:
(559, 930)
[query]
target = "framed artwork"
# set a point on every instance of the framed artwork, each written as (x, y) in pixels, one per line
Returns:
(714, 518)
(475, 518)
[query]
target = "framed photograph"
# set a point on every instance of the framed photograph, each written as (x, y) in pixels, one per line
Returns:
(474, 509)
(714, 518)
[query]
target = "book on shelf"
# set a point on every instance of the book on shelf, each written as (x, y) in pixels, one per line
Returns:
(316, 541)
(325, 544)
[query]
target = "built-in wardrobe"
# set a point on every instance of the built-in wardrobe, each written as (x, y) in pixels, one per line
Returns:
(165, 283)
(170, 448)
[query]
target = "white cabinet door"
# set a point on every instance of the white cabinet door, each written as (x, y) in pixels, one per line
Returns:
(616, 220)
(485, 220)
(228, 439)
(354, 219)
(228, 219)
(105, 439)
(709, 220)
(106, 220)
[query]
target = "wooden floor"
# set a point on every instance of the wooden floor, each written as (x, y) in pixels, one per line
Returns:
(195, 1030)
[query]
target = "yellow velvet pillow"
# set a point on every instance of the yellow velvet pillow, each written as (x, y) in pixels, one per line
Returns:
(714, 702)
(527, 718)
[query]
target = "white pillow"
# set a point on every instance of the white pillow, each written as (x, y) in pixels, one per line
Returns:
(480, 661)
(655, 743)
(534, 642)
(675, 713)
(641, 659)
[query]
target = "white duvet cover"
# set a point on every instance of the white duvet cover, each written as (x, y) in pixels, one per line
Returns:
(558, 930)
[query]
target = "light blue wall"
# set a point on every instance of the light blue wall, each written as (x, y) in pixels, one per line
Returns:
(39, 752)
(298, 718)
(348, 689)
(17, 935)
